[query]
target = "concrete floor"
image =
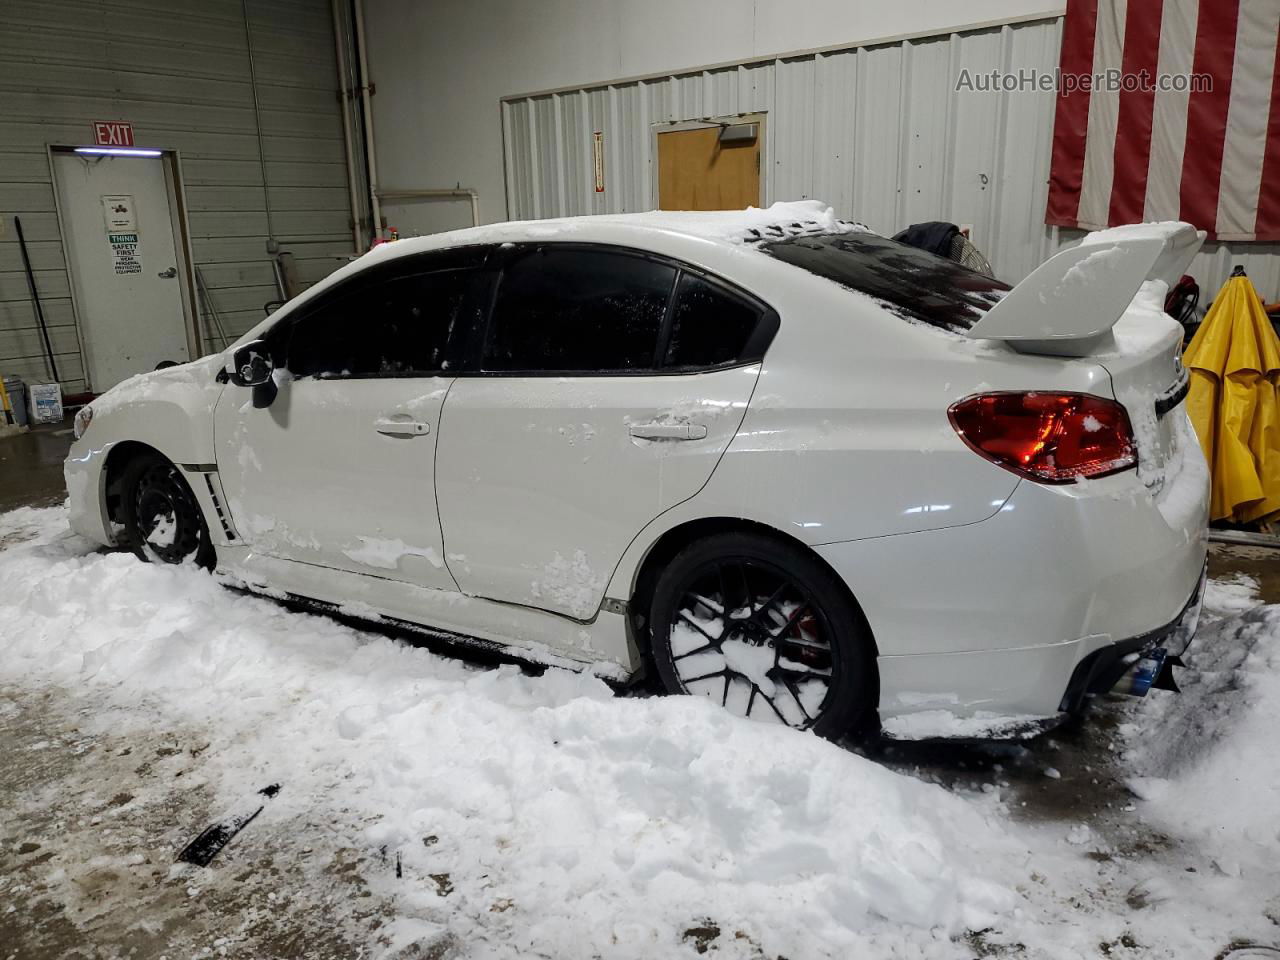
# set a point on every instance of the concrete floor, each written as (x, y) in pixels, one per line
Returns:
(31, 466)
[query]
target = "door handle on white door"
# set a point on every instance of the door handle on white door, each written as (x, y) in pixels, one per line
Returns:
(668, 431)
(168, 274)
(401, 428)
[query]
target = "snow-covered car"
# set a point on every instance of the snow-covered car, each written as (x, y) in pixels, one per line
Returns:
(813, 474)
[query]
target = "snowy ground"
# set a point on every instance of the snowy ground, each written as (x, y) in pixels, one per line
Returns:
(429, 808)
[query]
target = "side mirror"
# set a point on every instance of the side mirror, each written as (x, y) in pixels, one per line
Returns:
(251, 365)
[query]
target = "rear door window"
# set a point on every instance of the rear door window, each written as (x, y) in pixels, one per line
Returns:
(911, 283)
(711, 326)
(561, 309)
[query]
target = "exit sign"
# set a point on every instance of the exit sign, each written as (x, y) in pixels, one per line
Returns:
(112, 133)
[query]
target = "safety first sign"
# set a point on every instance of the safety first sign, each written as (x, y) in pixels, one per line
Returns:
(121, 221)
(124, 253)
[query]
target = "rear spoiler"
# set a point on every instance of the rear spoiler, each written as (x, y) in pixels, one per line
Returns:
(1073, 299)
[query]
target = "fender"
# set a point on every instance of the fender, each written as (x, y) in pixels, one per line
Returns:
(169, 409)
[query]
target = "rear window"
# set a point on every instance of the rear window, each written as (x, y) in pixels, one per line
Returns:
(911, 283)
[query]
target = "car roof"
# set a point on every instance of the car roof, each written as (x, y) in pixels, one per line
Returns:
(725, 227)
(661, 230)
(754, 224)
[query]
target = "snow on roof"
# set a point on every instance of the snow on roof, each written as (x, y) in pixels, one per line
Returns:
(752, 225)
(739, 227)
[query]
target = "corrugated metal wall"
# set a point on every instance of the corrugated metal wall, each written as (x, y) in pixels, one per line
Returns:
(179, 71)
(879, 132)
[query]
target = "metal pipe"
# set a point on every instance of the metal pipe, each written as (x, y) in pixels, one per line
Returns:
(368, 118)
(344, 94)
(35, 300)
(279, 273)
(213, 311)
(1244, 538)
(257, 118)
(441, 194)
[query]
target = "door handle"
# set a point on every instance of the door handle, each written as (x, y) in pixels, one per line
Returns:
(401, 428)
(168, 274)
(668, 431)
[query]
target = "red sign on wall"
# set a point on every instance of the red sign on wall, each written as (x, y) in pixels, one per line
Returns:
(597, 155)
(112, 133)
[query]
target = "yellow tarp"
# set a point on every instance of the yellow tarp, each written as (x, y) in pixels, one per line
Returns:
(1234, 362)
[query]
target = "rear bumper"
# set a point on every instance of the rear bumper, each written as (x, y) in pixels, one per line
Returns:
(996, 617)
(1101, 670)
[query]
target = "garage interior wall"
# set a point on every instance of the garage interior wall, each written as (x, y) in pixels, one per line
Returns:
(879, 132)
(441, 68)
(178, 70)
(875, 126)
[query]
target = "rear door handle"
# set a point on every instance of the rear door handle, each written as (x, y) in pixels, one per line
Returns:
(668, 431)
(401, 428)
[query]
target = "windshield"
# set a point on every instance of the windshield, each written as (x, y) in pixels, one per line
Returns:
(912, 283)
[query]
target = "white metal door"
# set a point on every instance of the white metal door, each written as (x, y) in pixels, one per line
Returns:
(542, 482)
(120, 245)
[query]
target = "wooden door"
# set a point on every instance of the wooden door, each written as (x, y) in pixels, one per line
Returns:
(698, 172)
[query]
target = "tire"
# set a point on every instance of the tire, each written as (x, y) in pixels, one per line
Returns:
(800, 654)
(162, 520)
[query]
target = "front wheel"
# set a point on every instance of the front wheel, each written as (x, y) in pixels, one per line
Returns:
(767, 631)
(162, 521)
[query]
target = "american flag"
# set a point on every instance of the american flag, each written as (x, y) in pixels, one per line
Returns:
(1205, 150)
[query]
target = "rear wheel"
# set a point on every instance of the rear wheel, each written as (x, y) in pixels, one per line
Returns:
(162, 521)
(767, 631)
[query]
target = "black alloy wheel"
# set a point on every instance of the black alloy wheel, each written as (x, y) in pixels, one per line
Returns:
(765, 630)
(163, 522)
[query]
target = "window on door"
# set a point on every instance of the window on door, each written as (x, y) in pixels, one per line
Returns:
(398, 325)
(571, 310)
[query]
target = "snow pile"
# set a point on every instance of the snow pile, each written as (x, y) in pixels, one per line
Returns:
(981, 724)
(563, 820)
(1212, 771)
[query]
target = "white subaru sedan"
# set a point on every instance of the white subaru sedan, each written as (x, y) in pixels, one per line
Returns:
(822, 478)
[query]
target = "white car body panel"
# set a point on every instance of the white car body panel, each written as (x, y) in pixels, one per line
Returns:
(559, 464)
(343, 492)
(983, 590)
(602, 646)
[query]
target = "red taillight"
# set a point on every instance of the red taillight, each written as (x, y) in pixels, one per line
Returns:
(1047, 437)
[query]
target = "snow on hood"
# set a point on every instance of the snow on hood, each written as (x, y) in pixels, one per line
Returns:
(146, 386)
